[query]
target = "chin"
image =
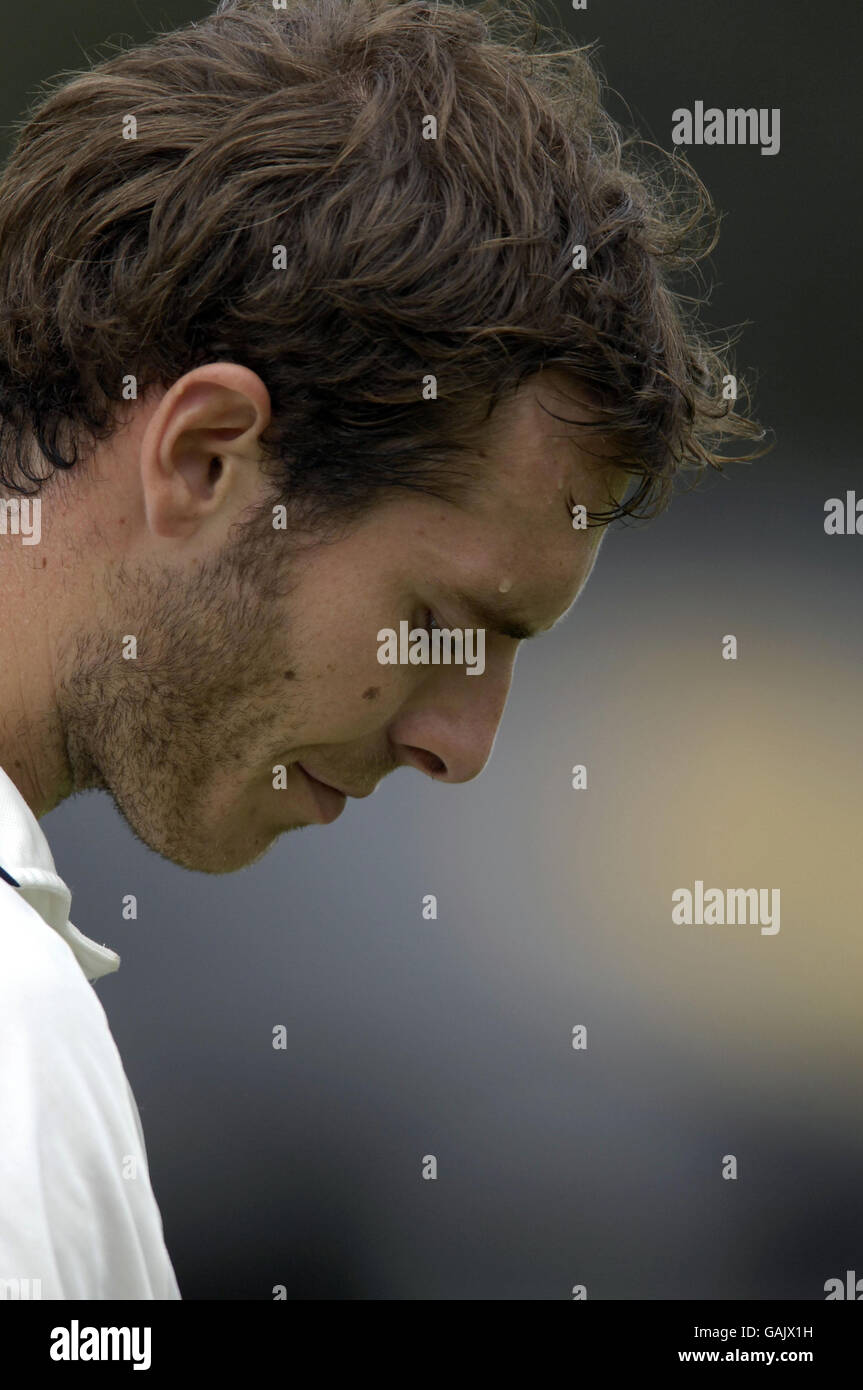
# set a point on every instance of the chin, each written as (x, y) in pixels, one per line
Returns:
(215, 841)
(216, 856)
(228, 858)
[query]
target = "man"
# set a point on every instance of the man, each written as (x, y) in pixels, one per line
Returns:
(353, 318)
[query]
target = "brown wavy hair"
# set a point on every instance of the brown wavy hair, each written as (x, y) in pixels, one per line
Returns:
(406, 257)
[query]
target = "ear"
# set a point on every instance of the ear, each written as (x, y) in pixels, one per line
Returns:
(200, 452)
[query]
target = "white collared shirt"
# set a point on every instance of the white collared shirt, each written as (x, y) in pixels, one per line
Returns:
(78, 1218)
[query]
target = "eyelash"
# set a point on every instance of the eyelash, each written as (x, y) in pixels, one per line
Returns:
(430, 618)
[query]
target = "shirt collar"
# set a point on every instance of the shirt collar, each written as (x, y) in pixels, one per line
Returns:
(26, 857)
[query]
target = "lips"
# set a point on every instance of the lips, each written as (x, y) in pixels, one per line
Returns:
(343, 791)
(329, 801)
(321, 783)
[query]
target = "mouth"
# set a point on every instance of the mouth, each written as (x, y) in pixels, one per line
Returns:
(329, 801)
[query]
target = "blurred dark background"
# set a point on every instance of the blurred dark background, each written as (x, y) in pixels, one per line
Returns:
(452, 1037)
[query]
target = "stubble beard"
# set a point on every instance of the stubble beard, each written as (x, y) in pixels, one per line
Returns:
(160, 731)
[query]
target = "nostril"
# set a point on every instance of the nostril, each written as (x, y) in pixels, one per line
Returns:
(428, 762)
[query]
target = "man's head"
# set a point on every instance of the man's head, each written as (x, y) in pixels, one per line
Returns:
(322, 260)
(255, 658)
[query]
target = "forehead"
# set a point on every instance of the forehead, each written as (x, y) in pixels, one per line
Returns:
(533, 467)
(510, 544)
(540, 453)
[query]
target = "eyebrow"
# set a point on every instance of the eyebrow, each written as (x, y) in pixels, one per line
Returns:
(497, 618)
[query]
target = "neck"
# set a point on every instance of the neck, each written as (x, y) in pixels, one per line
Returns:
(32, 742)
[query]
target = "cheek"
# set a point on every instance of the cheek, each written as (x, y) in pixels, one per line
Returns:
(332, 637)
(338, 686)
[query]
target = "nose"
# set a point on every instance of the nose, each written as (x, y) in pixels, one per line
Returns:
(447, 730)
